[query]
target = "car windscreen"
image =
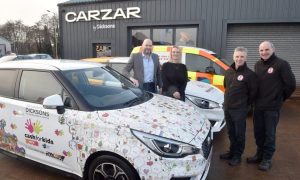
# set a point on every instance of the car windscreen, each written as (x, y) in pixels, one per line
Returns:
(104, 88)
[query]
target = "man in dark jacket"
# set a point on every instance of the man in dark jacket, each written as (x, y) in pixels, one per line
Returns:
(240, 90)
(276, 83)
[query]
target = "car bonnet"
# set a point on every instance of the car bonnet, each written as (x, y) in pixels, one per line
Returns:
(162, 116)
(204, 90)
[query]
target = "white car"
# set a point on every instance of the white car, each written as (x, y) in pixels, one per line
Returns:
(206, 97)
(209, 101)
(90, 121)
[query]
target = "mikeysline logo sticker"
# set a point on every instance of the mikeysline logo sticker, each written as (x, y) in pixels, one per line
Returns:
(103, 26)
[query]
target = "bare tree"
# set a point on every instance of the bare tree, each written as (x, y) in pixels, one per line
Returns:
(39, 38)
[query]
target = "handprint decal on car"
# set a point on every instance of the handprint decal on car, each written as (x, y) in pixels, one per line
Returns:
(28, 126)
(35, 127)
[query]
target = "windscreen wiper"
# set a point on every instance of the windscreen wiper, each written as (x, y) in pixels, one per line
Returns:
(132, 102)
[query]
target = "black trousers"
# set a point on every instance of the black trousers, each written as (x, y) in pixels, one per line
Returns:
(149, 87)
(265, 123)
(236, 126)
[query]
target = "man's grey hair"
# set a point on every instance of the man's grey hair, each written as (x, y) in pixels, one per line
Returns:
(241, 49)
(271, 44)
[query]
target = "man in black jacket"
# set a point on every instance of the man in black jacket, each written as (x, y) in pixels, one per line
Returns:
(240, 90)
(276, 83)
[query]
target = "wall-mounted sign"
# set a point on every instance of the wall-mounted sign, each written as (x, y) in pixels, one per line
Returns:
(103, 14)
(103, 26)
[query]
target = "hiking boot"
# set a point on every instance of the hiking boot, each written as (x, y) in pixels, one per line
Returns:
(265, 165)
(234, 161)
(254, 159)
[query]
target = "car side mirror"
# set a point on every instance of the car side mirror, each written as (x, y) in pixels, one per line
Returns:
(210, 70)
(54, 102)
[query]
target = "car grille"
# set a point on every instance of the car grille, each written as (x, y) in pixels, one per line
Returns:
(206, 145)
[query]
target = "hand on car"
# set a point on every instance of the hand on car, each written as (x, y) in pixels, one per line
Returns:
(176, 95)
(135, 82)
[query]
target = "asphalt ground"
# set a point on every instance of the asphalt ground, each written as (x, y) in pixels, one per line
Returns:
(286, 160)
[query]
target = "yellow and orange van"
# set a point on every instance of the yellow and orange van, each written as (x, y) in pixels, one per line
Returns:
(202, 64)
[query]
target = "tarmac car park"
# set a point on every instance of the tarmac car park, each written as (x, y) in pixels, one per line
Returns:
(54, 113)
(207, 98)
(202, 64)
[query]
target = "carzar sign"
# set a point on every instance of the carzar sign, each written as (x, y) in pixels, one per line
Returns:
(103, 14)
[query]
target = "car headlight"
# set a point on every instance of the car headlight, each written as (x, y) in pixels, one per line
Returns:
(165, 147)
(203, 103)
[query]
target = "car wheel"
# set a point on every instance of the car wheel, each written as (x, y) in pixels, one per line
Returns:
(108, 167)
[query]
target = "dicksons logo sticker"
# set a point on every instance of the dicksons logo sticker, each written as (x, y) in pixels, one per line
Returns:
(37, 112)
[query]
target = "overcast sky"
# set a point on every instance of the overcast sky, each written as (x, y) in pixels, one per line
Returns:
(29, 11)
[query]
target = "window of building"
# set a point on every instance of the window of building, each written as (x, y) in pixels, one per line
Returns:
(162, 36)
(102, 50)
(183, 36)
(138, 36)
(8, 80)
(186, 37)
(34, 89)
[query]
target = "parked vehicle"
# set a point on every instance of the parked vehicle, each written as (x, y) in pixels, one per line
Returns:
(206, 97)
(90, 121)
(15, 57)
(202, 64)
(40, 56)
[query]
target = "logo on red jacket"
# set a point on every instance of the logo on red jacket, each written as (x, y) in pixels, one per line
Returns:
(240, 77)
(270, 70)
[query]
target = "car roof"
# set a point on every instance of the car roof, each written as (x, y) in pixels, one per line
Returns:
(107, 60)
(54, 65)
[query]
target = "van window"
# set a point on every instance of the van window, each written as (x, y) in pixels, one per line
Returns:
(198, 63)
(8, 79)
(35, 86)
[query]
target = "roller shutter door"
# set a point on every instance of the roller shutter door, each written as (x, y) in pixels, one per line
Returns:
(286, 38)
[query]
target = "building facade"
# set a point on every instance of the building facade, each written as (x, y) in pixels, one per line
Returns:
(5, 46)
(91, 28)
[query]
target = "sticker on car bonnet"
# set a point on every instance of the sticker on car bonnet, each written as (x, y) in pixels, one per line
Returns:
(210, 89)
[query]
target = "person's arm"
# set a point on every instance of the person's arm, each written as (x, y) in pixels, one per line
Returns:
(167, 83)
(159, 74)
(252, 88)
(164, 79)
(288, 79)
(127, 69)
(224, 81)
(185, 76)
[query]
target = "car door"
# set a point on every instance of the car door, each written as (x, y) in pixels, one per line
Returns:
(9, 133)
(44, 133)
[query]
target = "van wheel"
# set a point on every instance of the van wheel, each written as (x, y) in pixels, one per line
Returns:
(108, 167)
